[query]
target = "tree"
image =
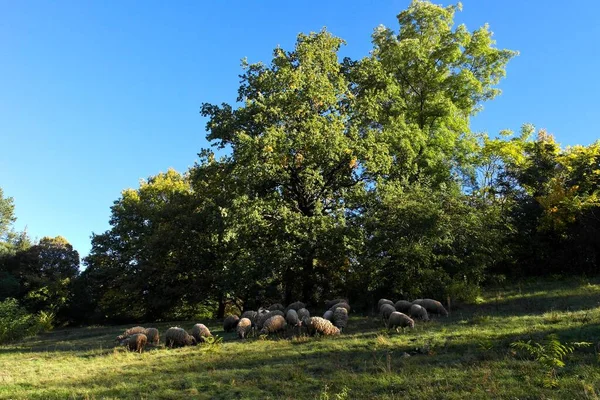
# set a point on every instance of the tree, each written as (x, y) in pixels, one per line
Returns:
(45, 273)
(295, 151)
(419, 88)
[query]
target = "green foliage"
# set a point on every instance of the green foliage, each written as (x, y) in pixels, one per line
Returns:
(15, 322)
(550, 354)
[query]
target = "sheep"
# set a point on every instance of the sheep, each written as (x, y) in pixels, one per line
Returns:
(177, 337)
(340, 318)
(243, 328)
(131, 331)
(200, 332)
(432, 306)
(303, 313)
(328, 315)
(260, 320)
(276, 306)
(343, 305)
(297, 305)
(386, 310)
(331, 303)
(319, 325)
(251, 315)
(230, 322)
(135, 342)
(277, 312)
(292, 318)
(153, 336)
(381, 302)
(399, 320)
(416, 311)
(273, 325)
(403, 306)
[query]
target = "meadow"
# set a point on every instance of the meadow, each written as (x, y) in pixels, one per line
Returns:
(466, 355)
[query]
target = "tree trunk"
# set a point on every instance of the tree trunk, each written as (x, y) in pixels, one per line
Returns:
(308, 279)
(288, 283)
(221, 309)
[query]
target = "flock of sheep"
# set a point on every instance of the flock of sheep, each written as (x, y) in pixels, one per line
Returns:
(403, 313)
(276, 319)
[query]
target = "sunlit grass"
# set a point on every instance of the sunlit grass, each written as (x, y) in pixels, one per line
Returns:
(466, 355)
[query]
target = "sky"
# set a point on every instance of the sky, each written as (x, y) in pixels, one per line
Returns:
(95, 96)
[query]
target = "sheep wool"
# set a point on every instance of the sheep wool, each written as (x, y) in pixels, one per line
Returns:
(230, 322)
(331, 303)
(297, 305)
(399, 320)
(135, 342)
(200, 332)
(432, 306)
(243, 328)
(386, 311)
(276, 306)
(418, 312)
(277, 312)
(320, 325)
(178, 337)
(303, 313)
(292, 318)
(328, 315)
(260, 320)
(132, 331)
(403, 306)
(251, 315)
(273, 325)
(343, 305)
(381, 302)
(340, 318)
(153, 336)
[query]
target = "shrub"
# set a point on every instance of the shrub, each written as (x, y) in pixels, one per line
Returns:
(15, 322)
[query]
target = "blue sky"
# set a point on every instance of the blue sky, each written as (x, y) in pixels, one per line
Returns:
(95, 96)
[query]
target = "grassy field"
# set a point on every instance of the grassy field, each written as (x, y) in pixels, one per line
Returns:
(466, 355)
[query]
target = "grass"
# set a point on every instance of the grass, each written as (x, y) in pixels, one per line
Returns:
(466, 355)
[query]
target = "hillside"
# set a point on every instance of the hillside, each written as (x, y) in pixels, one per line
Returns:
(466, 355)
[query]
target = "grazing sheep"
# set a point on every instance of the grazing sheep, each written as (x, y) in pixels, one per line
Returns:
(273, 325)
(260, 320)
(328, 315)
(177, 337)
(382, 302)
(399, 320)
(340, 318)
(276, 306)
(200, 332)
(230, 322)
(153, 336)
(251, 315)
(432, 306)
(319, 325)
(343, 305)
(331, 303)
(135, 342)
(243, 328)
(303, 313)
(131, 332)
(403, 306)
(297, 305)
(386, 310)
(292, 318)
(277, 312)
(418, 312)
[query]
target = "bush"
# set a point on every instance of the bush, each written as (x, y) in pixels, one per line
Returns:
(15, 322)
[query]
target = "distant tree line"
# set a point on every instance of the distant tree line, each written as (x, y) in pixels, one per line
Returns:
(352, 178)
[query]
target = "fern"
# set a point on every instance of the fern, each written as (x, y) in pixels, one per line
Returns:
(550, 353)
